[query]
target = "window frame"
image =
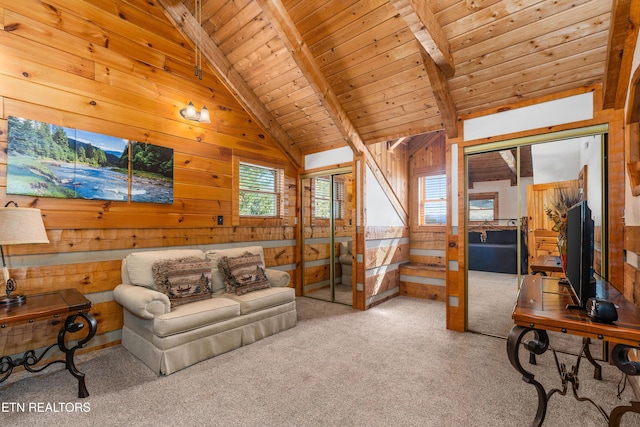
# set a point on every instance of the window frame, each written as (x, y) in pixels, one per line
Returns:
(485, 196)
(421, 182)
(278, 189)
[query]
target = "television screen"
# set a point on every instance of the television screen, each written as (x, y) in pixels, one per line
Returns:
(580, 252)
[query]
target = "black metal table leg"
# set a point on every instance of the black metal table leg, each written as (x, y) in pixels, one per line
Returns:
(538, 345)
(620, 358)
(597, 372)
(70, 325)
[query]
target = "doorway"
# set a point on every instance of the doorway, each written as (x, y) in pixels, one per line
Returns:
(508, 188)
(327, 236)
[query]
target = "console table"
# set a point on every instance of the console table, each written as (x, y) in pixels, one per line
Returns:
(43, 307)
(546, 263)
(542, 306)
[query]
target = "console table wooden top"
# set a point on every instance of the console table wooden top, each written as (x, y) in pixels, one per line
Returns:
(542, 303)
(546, 263)
(45, 304)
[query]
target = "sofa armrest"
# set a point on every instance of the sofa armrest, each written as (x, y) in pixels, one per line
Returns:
(277, 278)
(142, 302)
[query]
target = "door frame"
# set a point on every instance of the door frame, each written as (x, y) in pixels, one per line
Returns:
(602, 129)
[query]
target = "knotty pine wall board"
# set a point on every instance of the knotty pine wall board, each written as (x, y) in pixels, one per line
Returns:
(120, 68)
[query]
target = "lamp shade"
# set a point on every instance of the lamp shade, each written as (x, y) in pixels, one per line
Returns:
(21, 226)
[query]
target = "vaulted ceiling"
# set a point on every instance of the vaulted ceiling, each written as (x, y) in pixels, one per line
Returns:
(320, 74)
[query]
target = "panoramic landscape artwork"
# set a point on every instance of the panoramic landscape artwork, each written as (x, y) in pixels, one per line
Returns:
(45, 160)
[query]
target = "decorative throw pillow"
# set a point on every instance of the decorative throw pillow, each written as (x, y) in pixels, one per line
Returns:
(183, 280)
(244, 273)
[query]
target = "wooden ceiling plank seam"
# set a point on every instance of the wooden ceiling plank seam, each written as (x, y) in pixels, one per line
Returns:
(310, 101)
(303, 8)
(449, 11)
(383, 49)
(533, 59)
(327, 14)
(256, 49)
(537, 89)
(424, 25)
(486, 89)
(392, 86)
(255, 30)
(378, 20)
(260, 62)
(563, 23)
(236, 25)
(500, 19)
(222, 15)
(370, 70)
(277, 15)
(292, 76)
(397, 120)
(582, 59)
(620, 47)
(186, 23)
(523, 49)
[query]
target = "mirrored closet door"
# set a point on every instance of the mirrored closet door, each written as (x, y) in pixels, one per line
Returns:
(508, 190)
(328, 227)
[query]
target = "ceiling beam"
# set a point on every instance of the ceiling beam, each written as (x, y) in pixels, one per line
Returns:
(623, 34)
(292, 39)
(442, 95)
(510, 160)
(186, 23)
(428, 32)
(398, 142)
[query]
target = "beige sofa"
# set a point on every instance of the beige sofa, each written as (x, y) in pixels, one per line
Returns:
(168, 338)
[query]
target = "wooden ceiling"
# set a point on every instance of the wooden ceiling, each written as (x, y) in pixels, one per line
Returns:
(320, 74)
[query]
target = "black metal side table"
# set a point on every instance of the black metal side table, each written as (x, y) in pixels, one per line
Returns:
(51, 305)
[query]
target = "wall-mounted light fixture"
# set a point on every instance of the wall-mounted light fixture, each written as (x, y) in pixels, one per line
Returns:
(190, 113)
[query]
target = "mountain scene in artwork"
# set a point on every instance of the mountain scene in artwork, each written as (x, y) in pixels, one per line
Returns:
(46, 160)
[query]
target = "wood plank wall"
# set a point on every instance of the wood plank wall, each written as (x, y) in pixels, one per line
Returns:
(425, 277)
(385, 248)
(119, 68)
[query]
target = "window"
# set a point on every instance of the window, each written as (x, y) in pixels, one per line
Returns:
(432, 199)
(322, 198)
(260, 189)
(338, 199)
(483, 207)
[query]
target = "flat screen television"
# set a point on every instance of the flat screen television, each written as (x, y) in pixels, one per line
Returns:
(580, 252)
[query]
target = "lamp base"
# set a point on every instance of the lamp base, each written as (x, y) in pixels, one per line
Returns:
(12, 300)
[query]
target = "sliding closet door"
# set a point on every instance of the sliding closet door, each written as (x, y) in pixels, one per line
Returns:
(328, 229)
(496, 250)
(508, 190)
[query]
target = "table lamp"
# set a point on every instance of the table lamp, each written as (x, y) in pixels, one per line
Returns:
(18, 226)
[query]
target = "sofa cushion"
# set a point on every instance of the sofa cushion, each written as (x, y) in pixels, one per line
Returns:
(263, 299)
(217, 280)
(183, 280)
(502, 236)
(195, 315)
(474, 237)
(138, 265)
(244, 273)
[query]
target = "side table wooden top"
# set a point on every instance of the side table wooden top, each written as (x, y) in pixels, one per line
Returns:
(45, 304)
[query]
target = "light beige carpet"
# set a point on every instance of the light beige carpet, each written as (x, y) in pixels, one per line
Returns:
(392, 365)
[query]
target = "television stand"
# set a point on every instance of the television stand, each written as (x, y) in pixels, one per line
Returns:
(541, 306)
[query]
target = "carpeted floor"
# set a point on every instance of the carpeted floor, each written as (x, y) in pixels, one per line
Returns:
(392, 365)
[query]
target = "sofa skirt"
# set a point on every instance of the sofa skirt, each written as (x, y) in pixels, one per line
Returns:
(193, 347)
